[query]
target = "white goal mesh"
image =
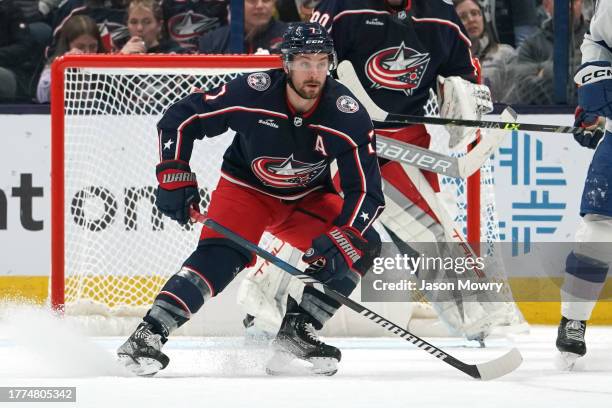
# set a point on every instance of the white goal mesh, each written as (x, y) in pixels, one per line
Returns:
(112, 249)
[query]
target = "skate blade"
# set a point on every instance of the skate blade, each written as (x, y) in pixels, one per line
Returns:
(286, 364)
(565, 361)
(141, 366)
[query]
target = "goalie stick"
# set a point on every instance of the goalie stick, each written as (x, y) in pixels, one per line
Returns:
(348, 76)
(460, 167)
(483, 371)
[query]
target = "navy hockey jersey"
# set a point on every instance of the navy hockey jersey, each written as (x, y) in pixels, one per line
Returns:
(188, 20)
(278, 151)
(398, 54)
(111, 22)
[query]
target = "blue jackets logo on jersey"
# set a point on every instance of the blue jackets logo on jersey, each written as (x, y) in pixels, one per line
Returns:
(260, 81)
(397, 68)
(286, 172)
(347, 104)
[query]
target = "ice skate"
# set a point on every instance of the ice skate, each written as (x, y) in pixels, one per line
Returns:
(297, 339)
(570, 342)
(141, 353)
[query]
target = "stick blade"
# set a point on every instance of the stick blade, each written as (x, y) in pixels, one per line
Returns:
(348, 77)
(500, 366)
(509, 114)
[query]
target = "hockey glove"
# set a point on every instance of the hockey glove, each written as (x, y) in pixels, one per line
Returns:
(460, 99)
(177, 190)
(595, 88)
(591, 133)
(333, 254)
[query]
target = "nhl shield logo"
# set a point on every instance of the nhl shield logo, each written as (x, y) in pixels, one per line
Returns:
(260, 81)
(397, 68)
(347, 104)
(297, 121)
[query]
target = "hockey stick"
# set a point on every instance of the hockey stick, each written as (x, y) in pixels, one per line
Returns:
(483, 371)
(461, 167)
(348, 76)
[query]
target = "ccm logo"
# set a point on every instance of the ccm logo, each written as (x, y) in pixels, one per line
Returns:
(596, 75)
(405, 155)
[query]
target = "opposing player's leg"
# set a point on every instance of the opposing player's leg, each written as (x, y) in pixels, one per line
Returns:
(205, 273)
(587, 266)
(297, 336)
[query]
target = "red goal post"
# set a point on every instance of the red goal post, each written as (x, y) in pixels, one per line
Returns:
(90, 99)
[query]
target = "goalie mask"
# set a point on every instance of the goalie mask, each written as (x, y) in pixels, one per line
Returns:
(307, 38)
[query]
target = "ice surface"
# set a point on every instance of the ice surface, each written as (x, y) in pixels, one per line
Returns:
(37, 350)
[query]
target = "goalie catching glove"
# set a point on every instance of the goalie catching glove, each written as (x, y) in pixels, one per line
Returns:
(460, 99)
(177, 190)
(339, 251)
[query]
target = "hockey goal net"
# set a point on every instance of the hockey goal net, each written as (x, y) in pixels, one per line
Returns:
(111, 249)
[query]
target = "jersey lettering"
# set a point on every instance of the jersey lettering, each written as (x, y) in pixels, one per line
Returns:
(319, 146)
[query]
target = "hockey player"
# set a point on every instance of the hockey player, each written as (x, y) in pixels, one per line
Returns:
(587, 266)
(399, 49)
(290, 125)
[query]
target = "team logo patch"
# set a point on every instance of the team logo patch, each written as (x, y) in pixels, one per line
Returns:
(397, 68)
(260, 81)
(286, 172)
(347, 104)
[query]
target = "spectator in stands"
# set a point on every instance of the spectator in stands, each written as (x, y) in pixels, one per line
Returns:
(534, 76)
(37, 14)
(495, 58)
(79, 35)
(262, 32)
(296, 10)
(109, 15)
(146, 26)
(16, 48)
(544, 11)
(188, 21)
(513, 20)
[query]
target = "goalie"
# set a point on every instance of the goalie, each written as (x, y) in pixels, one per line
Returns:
(401, 50)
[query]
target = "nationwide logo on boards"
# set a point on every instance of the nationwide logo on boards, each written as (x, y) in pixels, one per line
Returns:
(397, 68)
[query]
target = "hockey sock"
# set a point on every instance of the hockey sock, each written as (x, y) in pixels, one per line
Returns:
(321, 307)
(584, 279)
(208, 270)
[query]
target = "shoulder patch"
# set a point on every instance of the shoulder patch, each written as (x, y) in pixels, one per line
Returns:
(260, 81)
(347, 104)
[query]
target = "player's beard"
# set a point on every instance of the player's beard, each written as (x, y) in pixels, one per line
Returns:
(304, 92)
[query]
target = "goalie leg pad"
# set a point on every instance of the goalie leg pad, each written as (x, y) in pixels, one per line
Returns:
(422, 220)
